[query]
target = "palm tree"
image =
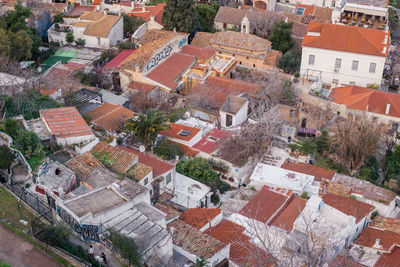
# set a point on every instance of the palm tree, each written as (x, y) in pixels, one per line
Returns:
(147, 126)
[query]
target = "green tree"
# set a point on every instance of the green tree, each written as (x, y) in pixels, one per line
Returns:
(154, 2)
(22, 45)
(126, 246)
(206, 14)
(147, 126)
(281, 36)
(393, 19)
(16, 18)
(7, 157)
(58, 18)
(5, 43)
(290, 61)
(131, 24)
(201, 262)
(180, 15)
(30, 145)
(201, 170)
(168, 150)
(55, 235)
(11, 127)
(69, 37)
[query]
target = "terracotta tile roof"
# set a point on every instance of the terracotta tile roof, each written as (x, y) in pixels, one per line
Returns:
(323, 13)
(327, 186)
(240, 40)
(117, 60)
(341, 261)
(386, 238)
(365, 188)
(347, 39)
(91, 16)
(83, 164)
(264, 205)
(150, 11)
(391, 259)
(110, 117)
(317, 172)
(198, 52)
(150, 42)
(170, 211)
(230, 15)
(65, 122)
(242, 252)
(286, 217)
(121, 160)
(175, 129)
(198, 217)
(193, 241)
(103, 26)
(348, 206)
(202, 39)
(212, 141)
(384, 223)
(169, 71)
(187, 150)
(62, 71)
(360, 98)
(217, 89)
(159, 167)
(78, 10)
(142, 87)
(139, 171)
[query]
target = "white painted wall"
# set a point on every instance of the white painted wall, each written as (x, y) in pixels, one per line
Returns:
(213, 261)
(149, 178)
(212, 223)
(325, 62)
(195, 139)
(237, 118)
(74, 140)
(321, 3)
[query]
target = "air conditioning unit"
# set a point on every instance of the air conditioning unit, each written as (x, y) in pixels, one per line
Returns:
(336, 70)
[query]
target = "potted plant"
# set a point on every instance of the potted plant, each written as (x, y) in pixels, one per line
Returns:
(296, 77)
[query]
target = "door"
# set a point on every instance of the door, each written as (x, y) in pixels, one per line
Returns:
(228, 120)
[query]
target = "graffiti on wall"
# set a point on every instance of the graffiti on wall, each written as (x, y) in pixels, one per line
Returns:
(89, 232)
(166, 52)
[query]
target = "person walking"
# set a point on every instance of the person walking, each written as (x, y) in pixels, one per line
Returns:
(91, 251)
(103, 256)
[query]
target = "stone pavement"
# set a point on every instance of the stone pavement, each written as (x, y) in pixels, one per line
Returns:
(18, 252)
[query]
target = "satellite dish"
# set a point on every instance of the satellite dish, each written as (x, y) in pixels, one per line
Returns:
(142, 148)
(39, 69)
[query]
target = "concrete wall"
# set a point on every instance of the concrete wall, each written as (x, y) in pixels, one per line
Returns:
(212, 223)
(213, 261)
(321, 3)
(325, 62)
(191, 142)
(74, 140)
(149, 178)
(171, 185)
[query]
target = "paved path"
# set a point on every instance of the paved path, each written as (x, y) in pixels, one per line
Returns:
(18, 252)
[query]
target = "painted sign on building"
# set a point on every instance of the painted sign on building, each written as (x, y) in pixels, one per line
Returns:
(166, 52)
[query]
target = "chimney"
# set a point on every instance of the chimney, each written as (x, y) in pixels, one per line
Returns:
(367, 108)
(384, 50)
(144, 8)
(174, 29)
(387, 108)
(377, 243)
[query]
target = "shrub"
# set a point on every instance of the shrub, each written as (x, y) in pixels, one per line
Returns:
(55, 235)
(69, 38)
(80, 42)
(6, 158)
(126, 45)
(126, 246)
(374, 214)
(168, 150)
(11, 127)
(290, 61)
(215, 198)
(304, 195)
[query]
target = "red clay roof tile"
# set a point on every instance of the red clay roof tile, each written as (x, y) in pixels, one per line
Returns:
(109, 116)
(264, 205)
(360, 98)
(168, 72)
(242, 252)
(386, 238)
(391, 259)
(347, 39)
(198, 217)
(213, 139)
(159, 167)
(199, 52)
(119, 59)
(65, 122)
(175, 129)
(317, 172)
(288, 215)
(348, 206)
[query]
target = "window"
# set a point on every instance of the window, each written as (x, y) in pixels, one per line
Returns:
(395, 127)
(311, 59)
(146, 181)
(352, 83)
(300, 11)
(240, 62)
(228, 120)
(151, 192)
(247, 57)
(372, 67)
(338, 63)
(354, 66)
(338, 113)
(335, 81)
(224, 26)
(333, 3)
(168, 179)
(254, 65)
(184, 133)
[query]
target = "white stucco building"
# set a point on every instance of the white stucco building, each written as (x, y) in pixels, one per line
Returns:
(341, 54)
(96, 28)
(234, 111)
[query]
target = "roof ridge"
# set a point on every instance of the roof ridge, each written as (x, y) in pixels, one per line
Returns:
(365, 37)
(110, 112)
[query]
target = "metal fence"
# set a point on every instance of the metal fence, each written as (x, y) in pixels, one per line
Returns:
(31, 199)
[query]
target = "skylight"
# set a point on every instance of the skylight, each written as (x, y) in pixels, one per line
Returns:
(184, 133)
